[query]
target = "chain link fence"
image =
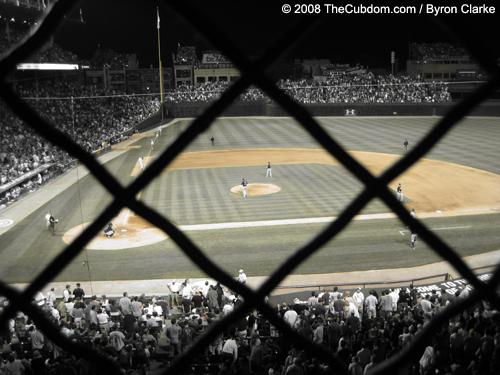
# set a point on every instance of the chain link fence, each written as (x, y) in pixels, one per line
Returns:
(253, 73)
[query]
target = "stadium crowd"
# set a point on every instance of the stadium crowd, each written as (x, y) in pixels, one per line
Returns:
(96, 118)
(51, 53)
(360, 332)
(185, 55)
(438, 50)
(338, 89)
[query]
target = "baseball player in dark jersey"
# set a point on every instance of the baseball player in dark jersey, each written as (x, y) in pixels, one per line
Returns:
(212, 139)
(399, 190)
(269, 173)
(405, 144)
(244, 184)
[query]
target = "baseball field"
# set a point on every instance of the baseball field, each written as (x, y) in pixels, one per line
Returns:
(454, 190)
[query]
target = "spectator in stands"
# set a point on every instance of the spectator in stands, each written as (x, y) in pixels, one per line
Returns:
(125, 304)
(173, 333)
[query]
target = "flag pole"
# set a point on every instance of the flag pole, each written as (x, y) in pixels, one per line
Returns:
(159, 55)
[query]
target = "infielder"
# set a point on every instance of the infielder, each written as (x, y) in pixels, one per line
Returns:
(244, 184)
(47, 221)
(141, 163)
(413, 238)
(399, 190)
(413, 233)
(53, 222)
(269, 173)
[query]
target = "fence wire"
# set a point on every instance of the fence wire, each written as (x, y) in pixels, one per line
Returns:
(253, 73)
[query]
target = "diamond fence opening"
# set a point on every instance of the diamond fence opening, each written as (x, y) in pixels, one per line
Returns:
(253, 73)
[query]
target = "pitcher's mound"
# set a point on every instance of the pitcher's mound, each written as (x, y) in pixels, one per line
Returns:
(256, 189)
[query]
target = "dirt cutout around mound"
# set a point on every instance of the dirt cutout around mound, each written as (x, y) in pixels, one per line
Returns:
(256, 189)
(436, 188)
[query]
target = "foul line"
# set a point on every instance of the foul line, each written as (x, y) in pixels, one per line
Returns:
(265, 223)
(314, 220)
(140, 193)
(402, 232)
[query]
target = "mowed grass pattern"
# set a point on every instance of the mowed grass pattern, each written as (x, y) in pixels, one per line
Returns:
(203, 196)
(472, 142)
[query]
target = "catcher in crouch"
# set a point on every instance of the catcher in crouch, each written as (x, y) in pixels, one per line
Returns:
(109, 231)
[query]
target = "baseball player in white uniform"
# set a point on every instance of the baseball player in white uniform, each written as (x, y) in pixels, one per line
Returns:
(47, 221)
(399, 190)
(141, 163)
(413, 232)
(244, 184)
(269, 173)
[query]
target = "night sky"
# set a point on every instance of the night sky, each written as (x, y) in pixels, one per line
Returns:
(129, 26)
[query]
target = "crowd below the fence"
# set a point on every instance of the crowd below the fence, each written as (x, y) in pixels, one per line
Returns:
(359, 331)
(338, 89)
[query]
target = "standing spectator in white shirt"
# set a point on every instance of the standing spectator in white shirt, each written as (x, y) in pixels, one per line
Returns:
(242, 278)
(70, 305)
(371, 305)
(67, 293)
(102, 318)
(228, 308)
(50, 297)
(395, 298)
(290, 316)
(359, 299)
(187, 291)
(174, 289)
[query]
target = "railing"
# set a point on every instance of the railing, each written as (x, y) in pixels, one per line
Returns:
(364, 284)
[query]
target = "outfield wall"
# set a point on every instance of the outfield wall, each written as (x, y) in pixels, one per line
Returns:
(263, 108)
